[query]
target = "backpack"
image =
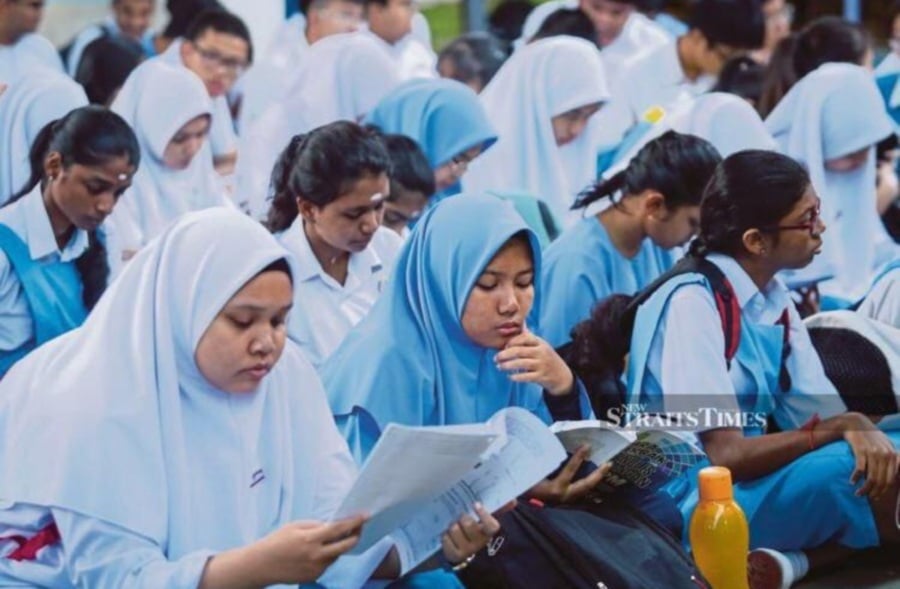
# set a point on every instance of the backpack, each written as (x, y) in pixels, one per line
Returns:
(592, 546)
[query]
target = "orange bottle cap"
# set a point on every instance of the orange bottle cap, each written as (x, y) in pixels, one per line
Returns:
(715, 484)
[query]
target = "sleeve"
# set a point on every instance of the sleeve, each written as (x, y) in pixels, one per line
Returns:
(16, 324)
(811, 392)
(686, 357)
(99, 554)
(222, 137)
(883, 303)
(572, 407)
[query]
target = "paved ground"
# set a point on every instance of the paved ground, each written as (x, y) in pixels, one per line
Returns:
(873, 570)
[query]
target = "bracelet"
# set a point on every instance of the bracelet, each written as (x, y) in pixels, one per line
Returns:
(455, 568)
(809, 426)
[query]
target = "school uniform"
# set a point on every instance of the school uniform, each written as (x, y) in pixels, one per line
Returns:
(27, 106)
(534, 85)
(677, 364)
(159, 194)
(343, 77)
(40, 288)
(412, 59)
(409, 361)
(143, 468)
(325, 310)
(583, 267)
(110, 28)
(30, 51)
(832, 112)
(638, 36)
(883, 300)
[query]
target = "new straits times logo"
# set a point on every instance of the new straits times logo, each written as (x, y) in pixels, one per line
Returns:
(641, 417)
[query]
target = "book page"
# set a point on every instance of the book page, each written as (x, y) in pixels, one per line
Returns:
(605, 441)
(531, 452)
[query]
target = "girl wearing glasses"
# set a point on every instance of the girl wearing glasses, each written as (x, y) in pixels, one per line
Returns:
(654, 206)
(829, 477)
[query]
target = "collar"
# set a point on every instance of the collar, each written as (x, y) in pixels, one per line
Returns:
(673, 74)
(763, 306)
(39, 232)
(308, 267)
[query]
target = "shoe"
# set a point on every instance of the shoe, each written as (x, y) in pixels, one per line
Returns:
(765, 570)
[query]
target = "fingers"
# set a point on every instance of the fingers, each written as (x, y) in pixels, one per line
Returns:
(489, 523)
(333, 550)
(520, 364)
(524, 339)
(568, 471)
(336, 531)
(581, 487)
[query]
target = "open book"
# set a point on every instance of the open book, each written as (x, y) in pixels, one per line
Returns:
(417, 481)
(641, 461)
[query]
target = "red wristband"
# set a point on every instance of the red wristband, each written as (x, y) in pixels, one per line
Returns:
(809, 426)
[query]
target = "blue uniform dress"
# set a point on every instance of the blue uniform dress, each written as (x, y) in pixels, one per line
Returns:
(583, 267)
(677, 364)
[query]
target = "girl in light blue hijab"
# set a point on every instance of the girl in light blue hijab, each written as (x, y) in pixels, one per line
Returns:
(463, 288)
(445, 118)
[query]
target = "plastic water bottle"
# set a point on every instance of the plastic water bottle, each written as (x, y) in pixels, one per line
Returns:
(720, 538)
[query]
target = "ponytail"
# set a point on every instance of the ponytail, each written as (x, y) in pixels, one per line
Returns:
(36, 156)
(601, 342)
(283, 210)
(603, 189)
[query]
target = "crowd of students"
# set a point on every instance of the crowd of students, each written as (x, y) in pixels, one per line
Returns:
(224, 271)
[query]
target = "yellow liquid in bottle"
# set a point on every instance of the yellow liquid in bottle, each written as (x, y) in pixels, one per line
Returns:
(720, 540)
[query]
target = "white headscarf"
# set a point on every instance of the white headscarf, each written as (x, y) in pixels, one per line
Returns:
(114, 420)
(157, 100)
(27, 106)
(830, 113)
(544, 79)
(342, 77)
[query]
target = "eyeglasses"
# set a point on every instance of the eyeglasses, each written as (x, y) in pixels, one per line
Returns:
(215, 59)
(461, 161)
(812, 225)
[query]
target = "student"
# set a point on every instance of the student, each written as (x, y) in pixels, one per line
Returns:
(412, 184)
(21, 49)
(567, 21)
(177, 175)
(130, 19)
(446, 119)
(779, 77)
(217, 48)
(390, 22)
(52, 262)
(655, 207)
(343, 78)
(672, 72)
(883, 300)
(451, 339)
(267, 80)
(779, 15)
(541, 107)
(472, 58)
(105, 65)
(221, 464)
(35, 100)
(742, 76)
(831, 121)
(330, 186)
(802, 487)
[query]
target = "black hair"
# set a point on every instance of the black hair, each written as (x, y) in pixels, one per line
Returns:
(304, 6)
(567, 21)
(321, 165)
(829, 39)
(182, 12)
(675, 164)
(410, 167)
(749, 189)
(779, 76)
(893, 13)
(279, 265)
(104, 66)
(220, 21)
(507, 19)
(475, 56)
(743, 77)
(87, 136)
(736, 23)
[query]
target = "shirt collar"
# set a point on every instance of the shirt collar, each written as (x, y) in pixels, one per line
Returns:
(39, 232)
(764, 306)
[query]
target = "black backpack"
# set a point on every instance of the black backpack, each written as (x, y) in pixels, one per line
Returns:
(592, 546)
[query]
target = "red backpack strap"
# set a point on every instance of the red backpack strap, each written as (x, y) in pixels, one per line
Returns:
(730, 317)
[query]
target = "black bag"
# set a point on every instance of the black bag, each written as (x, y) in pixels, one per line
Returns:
(606, 545)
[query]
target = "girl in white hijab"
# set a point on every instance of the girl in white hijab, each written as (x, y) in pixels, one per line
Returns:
(170, 114)
(343, 77)
(830, 121)
(540, 102)
(166, 442)
(33, 101)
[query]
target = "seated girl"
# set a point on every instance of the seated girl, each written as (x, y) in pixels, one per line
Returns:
(654, 207)
(52, 263)
(169, 443)
(330, 186)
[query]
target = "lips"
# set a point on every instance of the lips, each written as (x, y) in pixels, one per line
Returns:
(258, 371)
(510, 329)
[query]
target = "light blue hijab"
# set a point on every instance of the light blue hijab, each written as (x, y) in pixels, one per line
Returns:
(409, 361)
(443, 116)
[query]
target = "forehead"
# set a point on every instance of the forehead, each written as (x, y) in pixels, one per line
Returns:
(133, 4)
(609, 5)
(111, 169)
(224, 43)
(368, 190)
(809, 200)
(514, 256)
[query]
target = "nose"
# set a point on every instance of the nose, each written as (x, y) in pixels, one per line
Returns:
(264, 343)
(508, 303)
(193, 146)
(370, 222)
(105, 203)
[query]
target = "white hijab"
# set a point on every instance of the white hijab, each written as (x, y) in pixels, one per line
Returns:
(342, 77)
(832, 112)
(120, 425)
(544, 79)
(157, 100)
(27, 106)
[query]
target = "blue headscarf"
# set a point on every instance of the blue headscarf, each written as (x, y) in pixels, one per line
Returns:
(443, 116)
(409, 361)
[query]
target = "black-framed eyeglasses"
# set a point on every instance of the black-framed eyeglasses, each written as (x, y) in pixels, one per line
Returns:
(461, 160)
(812, 225)
(215, 59)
